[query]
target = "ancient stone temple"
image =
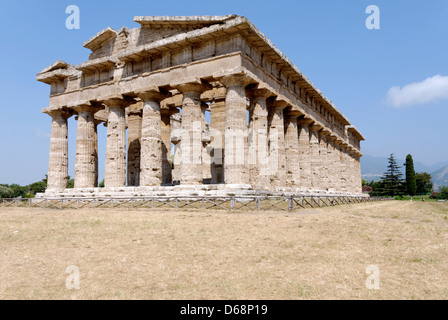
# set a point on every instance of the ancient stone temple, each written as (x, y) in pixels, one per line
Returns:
(197, 105)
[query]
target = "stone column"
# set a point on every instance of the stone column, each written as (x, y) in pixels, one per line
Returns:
(352, 171)
(358, 177)
(304, 153)
(331, 162)
(344, 168)
(292, 149)
(258, 153)
(236, 170)
(277, 154)
(134, 146)
(58, 162)
(324, 164)
(86, 148)
(97, 122)
(191, 143)
(206, 158)
(316, 161)
(167, 177)
(336, 165)
(151, 137)
(116, 144)
(217, 129)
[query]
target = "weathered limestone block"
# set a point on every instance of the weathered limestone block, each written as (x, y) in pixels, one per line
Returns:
(235, 158)
(58, 162)
(191, 144)
(86, 148)
(134, 146)
(116, 144)
(304, 153)
(292, 149)
(151, 137)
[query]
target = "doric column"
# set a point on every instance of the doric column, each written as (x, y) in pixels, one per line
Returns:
(167, 177)
(331, 162)
(304, 153)
(151, 137)
(206, 158)
(116, 143)
(258, 153)
(292, 148)
(352, 170)
(337, 165)
(58, 162)
(191, 143)
(345, 187)
(277, 154)
(86, 147)
(96, 122)
(358, 178)
(324, 164)
(316, 161)
(217, 129)
(236, 170)
(134, 145)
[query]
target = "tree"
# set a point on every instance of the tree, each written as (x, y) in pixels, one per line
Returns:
(392, 179)
(443, 193)
(411, 183)
(6, 193)
(423, 183)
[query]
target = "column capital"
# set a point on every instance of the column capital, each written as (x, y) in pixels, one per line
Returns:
(192, 85)
(59, 113)
(118, 102)
(239, 79)
(291, 113)
(325, 132)
(153, 93)
(304, 122)
(86, 107)
(258, 93)
(316, 126)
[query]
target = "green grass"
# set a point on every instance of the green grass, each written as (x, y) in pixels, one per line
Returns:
(415, 198)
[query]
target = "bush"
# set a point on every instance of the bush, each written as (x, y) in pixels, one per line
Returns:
(6, 193)
(443, 193)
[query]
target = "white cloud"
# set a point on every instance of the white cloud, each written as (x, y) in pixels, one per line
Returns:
(429, 90)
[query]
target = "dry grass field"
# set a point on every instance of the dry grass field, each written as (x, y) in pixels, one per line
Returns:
(309, 254)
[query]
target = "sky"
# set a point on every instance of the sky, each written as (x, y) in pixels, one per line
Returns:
(391, 82)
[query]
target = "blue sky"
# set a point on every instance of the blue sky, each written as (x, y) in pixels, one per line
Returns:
(327, 40)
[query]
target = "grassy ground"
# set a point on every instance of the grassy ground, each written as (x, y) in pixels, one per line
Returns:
(310, 254)
(416, 198)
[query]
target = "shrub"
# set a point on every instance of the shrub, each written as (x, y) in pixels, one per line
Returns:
(443, 193)
(6, 192)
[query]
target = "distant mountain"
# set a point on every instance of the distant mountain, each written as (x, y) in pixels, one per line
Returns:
(440, 177)
(373, 168)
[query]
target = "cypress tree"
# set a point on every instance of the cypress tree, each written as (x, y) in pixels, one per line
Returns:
(411, 181)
